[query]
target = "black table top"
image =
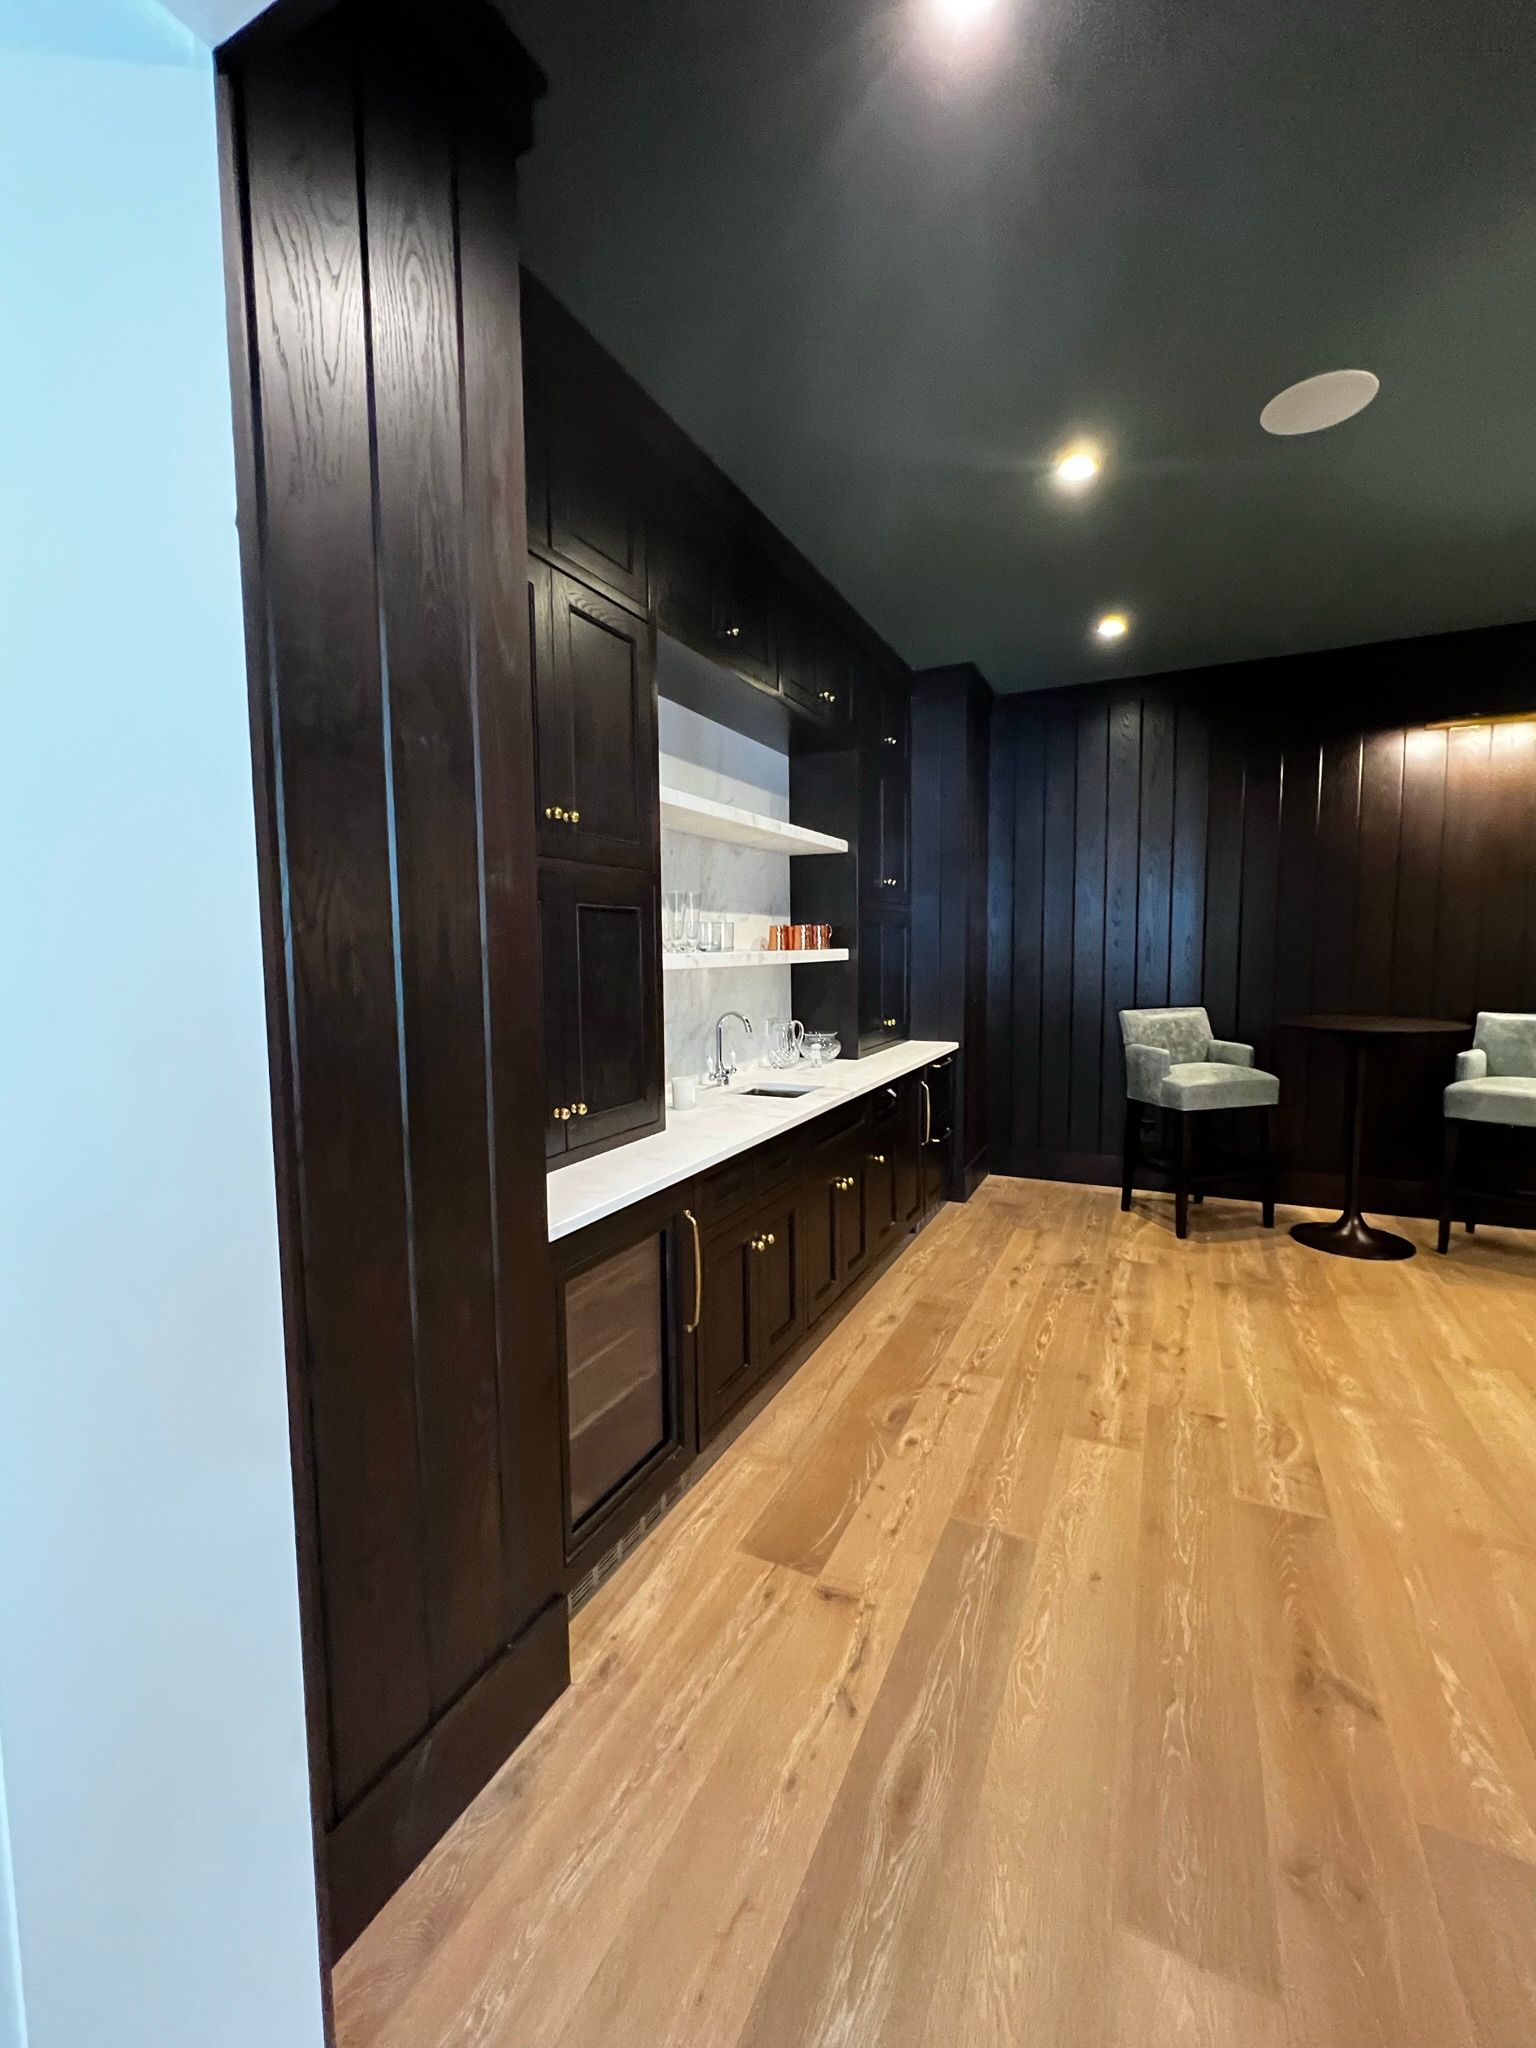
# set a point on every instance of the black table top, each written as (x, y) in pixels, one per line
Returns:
(1378, 1027)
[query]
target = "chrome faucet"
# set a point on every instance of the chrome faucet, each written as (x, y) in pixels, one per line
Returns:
(722, 1068)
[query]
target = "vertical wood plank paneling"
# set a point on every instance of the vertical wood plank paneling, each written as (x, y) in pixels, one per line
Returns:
(1379, 850)
(1155, 891)
(420, 534)
(308, 313)
(1511, 831)
(1333, 954)
(1224, 878)
(1028, 926)
(1191, 805)
(1268, 852)
(382, 493)
(1088, 926)
(1002, 869)
(1121, 888)
(1060, 852)
(1295, 925)
(1260, 887)
(1468, 784)
(502, 694)
(1420, 841)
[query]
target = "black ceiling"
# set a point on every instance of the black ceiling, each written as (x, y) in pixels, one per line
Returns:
(882, 282)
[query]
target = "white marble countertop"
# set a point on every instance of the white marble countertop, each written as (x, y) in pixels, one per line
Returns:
(725, 1123)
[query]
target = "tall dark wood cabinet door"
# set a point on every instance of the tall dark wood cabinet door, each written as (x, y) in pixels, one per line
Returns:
(371, 211)
(596, 709)
(871, 982)
(725, 1343)
(602, 957)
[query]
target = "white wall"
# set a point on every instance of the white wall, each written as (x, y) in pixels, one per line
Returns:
(150, 1703)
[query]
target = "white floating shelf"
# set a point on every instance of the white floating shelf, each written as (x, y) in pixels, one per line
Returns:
(691, 963)
(707, 819)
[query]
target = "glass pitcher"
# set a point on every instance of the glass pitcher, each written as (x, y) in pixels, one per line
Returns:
(783, 1041)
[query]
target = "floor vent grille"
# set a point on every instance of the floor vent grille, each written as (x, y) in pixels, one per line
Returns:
(612, 1558)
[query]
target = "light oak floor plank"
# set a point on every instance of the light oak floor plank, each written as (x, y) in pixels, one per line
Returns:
(1101, 1640)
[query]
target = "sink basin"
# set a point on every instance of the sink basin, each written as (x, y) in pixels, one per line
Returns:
(781, 1088)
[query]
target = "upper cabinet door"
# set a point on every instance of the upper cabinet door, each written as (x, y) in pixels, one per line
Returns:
(596, 502)
(596, 713)
(585, 468)
(602, 968)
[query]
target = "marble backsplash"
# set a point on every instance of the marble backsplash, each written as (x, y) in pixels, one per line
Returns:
(702, 758)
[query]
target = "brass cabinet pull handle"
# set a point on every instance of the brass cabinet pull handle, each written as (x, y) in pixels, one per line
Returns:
(927, 1115)
(698, 1276)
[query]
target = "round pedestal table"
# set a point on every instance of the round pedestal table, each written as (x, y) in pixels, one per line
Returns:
(1351, 1237)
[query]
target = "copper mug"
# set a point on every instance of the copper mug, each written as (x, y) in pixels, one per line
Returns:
(820, 937)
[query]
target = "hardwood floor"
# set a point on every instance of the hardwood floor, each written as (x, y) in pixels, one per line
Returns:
(1102, 1643)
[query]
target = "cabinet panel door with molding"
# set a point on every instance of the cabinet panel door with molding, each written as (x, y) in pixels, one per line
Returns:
(595, 709)
(603, 1064)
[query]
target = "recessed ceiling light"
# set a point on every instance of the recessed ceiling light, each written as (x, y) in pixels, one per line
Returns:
(1077, 467)
(962, 15)
(1318, 402)
(1113, 626)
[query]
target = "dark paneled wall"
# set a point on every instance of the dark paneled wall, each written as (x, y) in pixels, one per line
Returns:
(370, 166)
(1267, 839)
(951, 718)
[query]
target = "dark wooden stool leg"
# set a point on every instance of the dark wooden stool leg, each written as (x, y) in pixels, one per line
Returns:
(1266, 1169)
(1128, 1152)
(1447, 1183)
(1185, 1166)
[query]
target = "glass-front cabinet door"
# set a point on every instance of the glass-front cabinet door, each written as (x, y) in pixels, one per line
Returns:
(622, 1390)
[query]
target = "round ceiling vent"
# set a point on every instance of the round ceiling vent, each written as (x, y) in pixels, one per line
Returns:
(1318, 402)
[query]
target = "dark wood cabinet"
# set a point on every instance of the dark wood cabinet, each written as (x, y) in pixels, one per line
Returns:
(602, 1001)
(937, 1131)
(885, 794)
(728, 1348)
(710, 582)
(885, 940)
(383, 542)
(586, 461)
(596, 797)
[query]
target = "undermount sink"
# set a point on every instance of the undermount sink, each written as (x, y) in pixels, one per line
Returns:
(781, 1088)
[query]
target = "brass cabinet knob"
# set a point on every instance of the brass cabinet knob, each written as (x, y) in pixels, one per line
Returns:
(573, 817)
(733, 632)
(890, 740)
(578, 1109)
(554, 811)
(889, 1023)
(877, 1159)
(771, 1238)
(829, 696)
(562, 1116)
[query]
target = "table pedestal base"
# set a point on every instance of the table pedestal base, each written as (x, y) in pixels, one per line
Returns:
(1351, 1237)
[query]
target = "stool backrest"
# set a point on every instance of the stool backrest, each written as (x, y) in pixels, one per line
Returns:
(1509, 1040)
(1182, 1034)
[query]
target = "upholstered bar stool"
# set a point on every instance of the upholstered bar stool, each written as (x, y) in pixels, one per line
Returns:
(1495, 1084)
(1174, 1064)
